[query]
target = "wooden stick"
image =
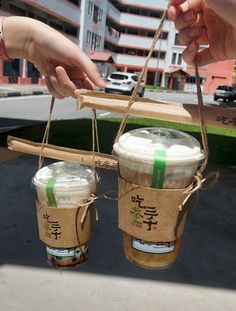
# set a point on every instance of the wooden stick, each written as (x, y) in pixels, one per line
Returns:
(101, 160)
(161, 110)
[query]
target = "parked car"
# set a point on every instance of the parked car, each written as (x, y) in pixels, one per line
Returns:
(225, 92)
(124, 83)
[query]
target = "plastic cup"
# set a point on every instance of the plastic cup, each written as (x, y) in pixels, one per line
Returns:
(73, 183)
(136, 151)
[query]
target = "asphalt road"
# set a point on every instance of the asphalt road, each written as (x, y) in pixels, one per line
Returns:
(23, 110)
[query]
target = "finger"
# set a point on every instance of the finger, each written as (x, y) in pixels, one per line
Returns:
(54, 82)
(173, 12)
(185, 19)
(52, 89)
(67, 87)
(190, 52)
(86, 83)
(176, 7)
(89, 68)
(205, 57)
(200, 20)
(204, 37)
(189, 34)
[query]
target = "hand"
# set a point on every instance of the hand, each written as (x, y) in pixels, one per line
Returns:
(65, 66)
(205, 22)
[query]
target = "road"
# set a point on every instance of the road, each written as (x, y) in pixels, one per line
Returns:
(24, 110)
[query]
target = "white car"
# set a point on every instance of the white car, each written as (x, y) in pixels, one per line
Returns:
(123, 82)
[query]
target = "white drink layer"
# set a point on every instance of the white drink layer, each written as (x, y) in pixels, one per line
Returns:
(136, 152)
(73, 183)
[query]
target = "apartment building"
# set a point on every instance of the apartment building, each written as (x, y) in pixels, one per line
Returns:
(117, 35)
(136, 22)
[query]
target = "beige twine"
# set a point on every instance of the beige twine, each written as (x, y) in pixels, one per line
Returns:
(198, 179)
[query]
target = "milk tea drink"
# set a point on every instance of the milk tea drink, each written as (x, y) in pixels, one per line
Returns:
(72, 184)
(140, 152)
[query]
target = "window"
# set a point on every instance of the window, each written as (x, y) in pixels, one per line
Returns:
(179, 59)
(118, 76)
(100, 14)
(164, 35)
(88, 38)
(162, 55)
(17, 10)
(55, 25)
(174, 55)
(71, 30)
(159, 54)
(95, 14)
(94, 39)
(132, 31)
(192, 80)
(177, 40)
(99, 39)
(90, 8)
(135, 78)
(157, 14)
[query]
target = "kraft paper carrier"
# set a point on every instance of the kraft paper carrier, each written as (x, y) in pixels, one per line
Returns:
(171, 221)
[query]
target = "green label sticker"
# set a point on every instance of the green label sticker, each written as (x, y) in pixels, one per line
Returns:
(159, 167)
(50, 192)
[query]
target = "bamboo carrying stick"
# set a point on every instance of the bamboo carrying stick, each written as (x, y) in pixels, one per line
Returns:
(100, 160)
(161, 110)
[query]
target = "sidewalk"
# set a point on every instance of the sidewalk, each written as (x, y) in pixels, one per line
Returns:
(202, 279)
(7, 90)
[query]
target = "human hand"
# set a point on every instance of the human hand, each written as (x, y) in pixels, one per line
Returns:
(205, 22)
(65, 66)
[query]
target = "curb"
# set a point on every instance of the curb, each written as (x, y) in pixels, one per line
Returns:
(21, 93)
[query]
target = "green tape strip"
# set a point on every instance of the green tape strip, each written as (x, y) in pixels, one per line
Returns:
(50, 192)
(159, 169)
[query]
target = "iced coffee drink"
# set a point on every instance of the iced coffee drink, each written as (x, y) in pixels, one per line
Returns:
(65, 185)
(176, 156)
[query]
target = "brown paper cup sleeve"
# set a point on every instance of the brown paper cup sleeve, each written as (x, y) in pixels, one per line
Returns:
(62, 228)
(151, 214)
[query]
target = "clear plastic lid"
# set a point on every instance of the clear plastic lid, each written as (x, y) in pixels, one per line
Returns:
(68, 176)
(141, 144)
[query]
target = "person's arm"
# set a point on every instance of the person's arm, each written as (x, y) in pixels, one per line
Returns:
(207, 22)
(65, 66)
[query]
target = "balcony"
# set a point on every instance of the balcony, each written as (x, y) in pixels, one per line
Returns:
(113, 13)
(145, 43)
(147, 3)
(112, 35)
(62, 9)
(139, 21)
(138, 61)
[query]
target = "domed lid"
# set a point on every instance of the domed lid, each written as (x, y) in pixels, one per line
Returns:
(142, 144)
(67, 176)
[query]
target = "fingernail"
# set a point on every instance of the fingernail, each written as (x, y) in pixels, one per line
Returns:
(101, 82)
(194, 32)
(189, 16)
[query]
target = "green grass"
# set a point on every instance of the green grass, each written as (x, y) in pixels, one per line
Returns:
(77, 134)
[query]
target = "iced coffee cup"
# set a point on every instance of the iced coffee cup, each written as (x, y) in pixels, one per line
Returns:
(70, 186)
(138, 153)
